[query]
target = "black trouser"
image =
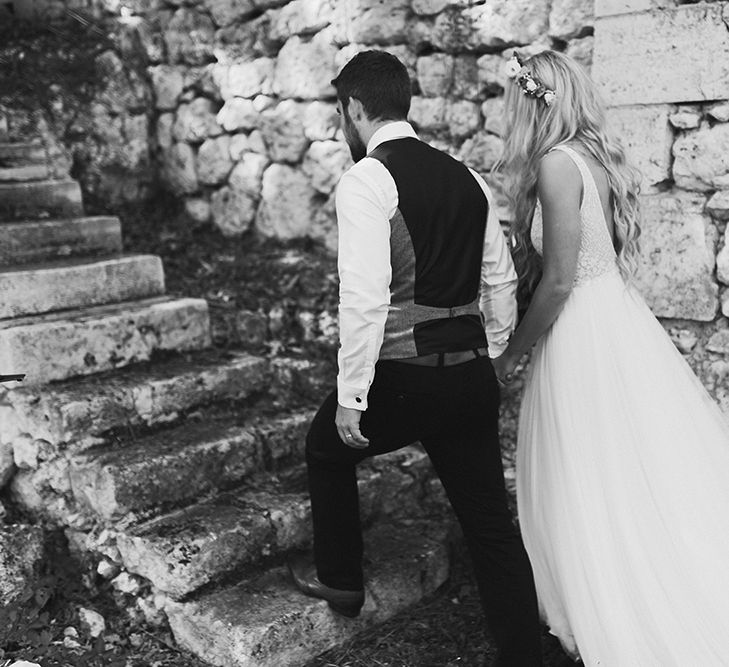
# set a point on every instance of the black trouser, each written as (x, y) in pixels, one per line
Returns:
(453, 412)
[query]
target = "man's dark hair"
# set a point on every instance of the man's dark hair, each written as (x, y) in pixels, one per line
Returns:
(378, 80)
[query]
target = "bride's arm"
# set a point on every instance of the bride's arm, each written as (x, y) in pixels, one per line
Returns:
(560, 190)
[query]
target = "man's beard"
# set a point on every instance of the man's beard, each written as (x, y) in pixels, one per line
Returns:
(356, 146)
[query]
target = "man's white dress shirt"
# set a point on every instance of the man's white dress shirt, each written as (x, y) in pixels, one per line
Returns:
(366, 200)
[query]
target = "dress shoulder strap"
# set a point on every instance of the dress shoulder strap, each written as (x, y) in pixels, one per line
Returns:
(578, 160)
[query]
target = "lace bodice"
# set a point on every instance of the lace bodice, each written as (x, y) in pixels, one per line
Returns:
(596, 255)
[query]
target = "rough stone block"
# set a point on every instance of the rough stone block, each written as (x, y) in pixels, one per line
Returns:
(245, 79)
(324, 164)
(80, 342)
(463, 118)
(718, 205)
(371, 21)
(79, 283)
(676, 55)
(301, 17)
(66, 412)
(233, 211)
(435, 74)
(615, 7)
(189, 37)
(481, 151)
(225, 12)
(569, 18)
(686, 120)
(283, 131)
(178, 169)
(33, 241)
(429, 113)
(196, 121)
(266, 622)
(287, 203)
(304, 69)
(168, 82)
(677, 264)
(702, 158)
(40, 199)
(22, 154)
(213, 160)
(21, 554)
(647, 137)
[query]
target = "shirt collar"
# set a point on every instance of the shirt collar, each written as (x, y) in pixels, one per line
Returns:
(397, 129)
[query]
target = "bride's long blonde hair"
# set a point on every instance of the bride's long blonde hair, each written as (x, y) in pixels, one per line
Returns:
(532, 128)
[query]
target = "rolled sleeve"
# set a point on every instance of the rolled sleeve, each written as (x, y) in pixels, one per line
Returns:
(364, 283)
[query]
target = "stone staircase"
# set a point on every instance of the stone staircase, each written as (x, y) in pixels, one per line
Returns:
(175, 469)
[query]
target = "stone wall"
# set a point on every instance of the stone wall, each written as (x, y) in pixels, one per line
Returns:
(663, 67)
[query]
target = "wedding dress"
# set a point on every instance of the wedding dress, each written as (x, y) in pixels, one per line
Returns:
(622, 476)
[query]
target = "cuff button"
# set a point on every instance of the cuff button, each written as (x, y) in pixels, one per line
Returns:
(358, 399)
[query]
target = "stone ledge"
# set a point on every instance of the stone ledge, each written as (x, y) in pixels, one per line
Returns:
(266, 622)
(40, 199)
(79, 283)
(33, 241)
(179, 464)
(139, 395)
(20, 154)
(185, 550)
(81, 342)
(24, 173)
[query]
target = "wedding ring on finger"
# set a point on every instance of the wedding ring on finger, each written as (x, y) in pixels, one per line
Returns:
(349, 435)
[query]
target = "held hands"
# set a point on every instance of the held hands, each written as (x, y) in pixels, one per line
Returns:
(505, 366)
(347, 422)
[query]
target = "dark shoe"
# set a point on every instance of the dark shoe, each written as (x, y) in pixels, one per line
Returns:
(346, 603)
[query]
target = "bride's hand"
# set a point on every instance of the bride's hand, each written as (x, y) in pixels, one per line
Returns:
(504, 366)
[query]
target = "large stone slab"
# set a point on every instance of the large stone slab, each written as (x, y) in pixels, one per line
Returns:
(77, 283)
(177, 464)
(647, 137)
(187, 549)
(33, 241)
(68, 412)
(21, 154)
(266, 622)
(29, 172)
(702, 158)
(678, 247)
(81, 342)
(670, 56)
(614, 7)
(40, 199)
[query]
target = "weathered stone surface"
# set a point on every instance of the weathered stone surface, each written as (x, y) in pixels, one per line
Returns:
(233, 211)
(247, 176)
(30, 172)
(496, 24)
(189, 37)
(678, 248)
(647, 138)
(429, 7)
(463, 118)
(178, 169)
(719, 112)
(493, 112)
(491, 71)
(196, 121)
(84, 407)
(22, 153)
(33, 241)
(429, 113)
(168, 82)
(466, 83)
(702, 159)
(213, 160)
(581, 50)
(482, 151)
(198, 209)
(665, 44)
(304, 69)
(266, 622)
(435, 74)
(283, 131)
(238, 113)
(122, 89)
(21, 554)
(7, 463)
(321, 121)
(614, 7)
(719, 342)
(40, 199)
(243, 41)
(324, 164)
(245, 79)
(718, 205)
(722, 263)
(287, 205)
(569, 18)
(225, 12)
(78, 283)
(302, 17)
(685, 120)
(371, 21)
(79, 342)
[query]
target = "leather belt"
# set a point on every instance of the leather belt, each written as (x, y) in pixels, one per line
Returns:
(445, 358)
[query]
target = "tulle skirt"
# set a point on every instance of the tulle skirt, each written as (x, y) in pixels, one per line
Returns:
(623, 488)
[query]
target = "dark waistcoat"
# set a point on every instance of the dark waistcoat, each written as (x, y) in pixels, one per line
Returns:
(436, 248)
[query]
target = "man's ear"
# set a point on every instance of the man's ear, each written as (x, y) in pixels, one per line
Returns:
(356, 109)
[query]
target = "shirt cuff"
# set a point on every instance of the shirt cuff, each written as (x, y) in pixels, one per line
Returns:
(497, 349)
(352, 397)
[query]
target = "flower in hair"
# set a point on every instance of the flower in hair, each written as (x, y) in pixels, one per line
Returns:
(522, 76)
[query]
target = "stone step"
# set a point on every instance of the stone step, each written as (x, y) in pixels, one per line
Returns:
(184, 550)
(57, 346)
(38, 240)
(79, 283)
(24, 173)
(180, 464)
(266, 622)
(40, 199)
(20, 154)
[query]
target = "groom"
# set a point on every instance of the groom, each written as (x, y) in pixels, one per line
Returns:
(420, 249)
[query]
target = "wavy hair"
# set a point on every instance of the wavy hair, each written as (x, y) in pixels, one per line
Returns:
(532, 129)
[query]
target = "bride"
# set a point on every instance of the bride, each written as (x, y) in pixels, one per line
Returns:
(623, 457)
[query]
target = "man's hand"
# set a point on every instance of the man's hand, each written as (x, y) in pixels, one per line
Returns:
(504, 366)
(347, 421)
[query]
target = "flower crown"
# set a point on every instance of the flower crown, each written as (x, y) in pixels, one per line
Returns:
(529, 85)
